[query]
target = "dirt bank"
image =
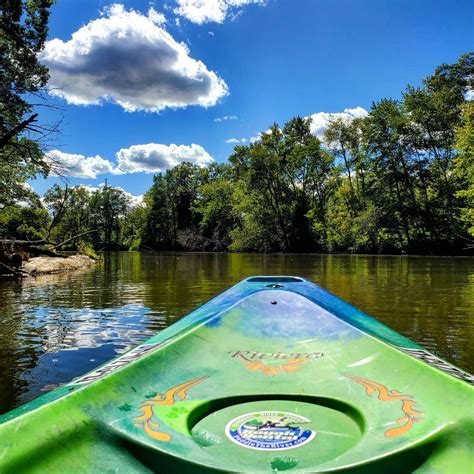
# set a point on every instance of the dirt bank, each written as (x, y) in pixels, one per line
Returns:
(42, 265)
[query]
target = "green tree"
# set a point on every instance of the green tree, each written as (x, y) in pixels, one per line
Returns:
(393, 188)
(133, 227)
(23, 32)
(435, 111)
(25, 221)
(398, 180)
(160, 230)
(343, 140)
(284, 183)
(171, 220)
(352, 215)
(108, 209)
(464, 168)
(215, 207)
(70, 209)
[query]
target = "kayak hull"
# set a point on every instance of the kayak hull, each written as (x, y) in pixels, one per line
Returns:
(273, 374)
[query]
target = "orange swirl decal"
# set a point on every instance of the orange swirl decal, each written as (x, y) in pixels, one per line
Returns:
(170, 397)
(409, 417)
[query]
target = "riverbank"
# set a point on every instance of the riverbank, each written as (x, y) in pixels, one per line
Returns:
(47, 265)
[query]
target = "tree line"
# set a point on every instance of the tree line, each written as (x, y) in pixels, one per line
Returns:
(399, 180)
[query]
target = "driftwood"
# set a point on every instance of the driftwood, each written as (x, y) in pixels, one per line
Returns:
(13, 252)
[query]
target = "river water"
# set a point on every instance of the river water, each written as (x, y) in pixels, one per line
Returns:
(56, 327)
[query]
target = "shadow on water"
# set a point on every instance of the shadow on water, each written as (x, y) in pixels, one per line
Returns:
(56, 327)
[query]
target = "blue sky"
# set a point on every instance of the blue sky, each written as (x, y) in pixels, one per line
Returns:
(144, 85)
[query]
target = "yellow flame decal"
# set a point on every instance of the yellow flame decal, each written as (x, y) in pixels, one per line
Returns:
(169, 398)
(384, 394)
(291, 366)
(147, 413)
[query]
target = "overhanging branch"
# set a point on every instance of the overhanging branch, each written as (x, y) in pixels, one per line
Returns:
(5, 140)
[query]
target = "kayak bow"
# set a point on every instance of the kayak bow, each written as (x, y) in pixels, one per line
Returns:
(273, 374)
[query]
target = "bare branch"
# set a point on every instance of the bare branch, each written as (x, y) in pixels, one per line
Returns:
(16, 130)
(74, 238)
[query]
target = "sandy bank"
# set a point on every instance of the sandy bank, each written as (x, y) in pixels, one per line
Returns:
(42, 265)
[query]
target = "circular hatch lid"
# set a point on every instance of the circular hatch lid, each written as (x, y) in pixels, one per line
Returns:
(276, 434)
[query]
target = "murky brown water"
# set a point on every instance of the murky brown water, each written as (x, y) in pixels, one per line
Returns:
(54, 328)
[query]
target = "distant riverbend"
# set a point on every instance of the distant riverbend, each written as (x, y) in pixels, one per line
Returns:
(56, 327)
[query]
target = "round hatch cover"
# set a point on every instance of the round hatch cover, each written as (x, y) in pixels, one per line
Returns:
(270, 430)
(258, 435)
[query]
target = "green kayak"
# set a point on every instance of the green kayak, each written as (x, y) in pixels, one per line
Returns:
(275, 374)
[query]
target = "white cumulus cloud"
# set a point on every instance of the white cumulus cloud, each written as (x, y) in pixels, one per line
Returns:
(134, 200)
(156, 157)
(128, 58)
(28, 187)
(236, 140)
(256, 138)
(320, 120)
(205, 11)
(146, 158)
(79, 166)
(88, 188)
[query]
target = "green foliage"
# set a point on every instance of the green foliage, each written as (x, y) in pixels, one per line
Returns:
(24, 222)
(284, 177)
(23, 32)
(170, 207)
(133, 227)
(14, 172)
(464, 168)
(103, 215)
(214, 206)
(87, 249)
(255, 230)
(70, 208)
(351, 230)
(108, 208)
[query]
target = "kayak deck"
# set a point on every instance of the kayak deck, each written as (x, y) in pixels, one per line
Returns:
(274, 374)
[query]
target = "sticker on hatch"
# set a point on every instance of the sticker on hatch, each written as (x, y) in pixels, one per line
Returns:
(270, 430)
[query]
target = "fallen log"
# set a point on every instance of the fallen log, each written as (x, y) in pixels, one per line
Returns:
(34, 249)
(27, 242)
